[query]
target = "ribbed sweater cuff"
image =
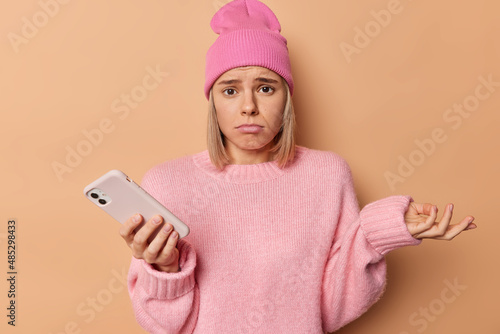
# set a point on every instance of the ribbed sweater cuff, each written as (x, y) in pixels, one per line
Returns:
(163, 285)
(384, 226)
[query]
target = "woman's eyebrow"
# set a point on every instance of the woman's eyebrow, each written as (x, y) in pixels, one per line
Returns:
(261, 79)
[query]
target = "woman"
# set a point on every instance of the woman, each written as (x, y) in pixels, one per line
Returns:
(278, 243)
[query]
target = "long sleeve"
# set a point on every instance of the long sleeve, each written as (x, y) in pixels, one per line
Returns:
(355, 272)
(165, 302)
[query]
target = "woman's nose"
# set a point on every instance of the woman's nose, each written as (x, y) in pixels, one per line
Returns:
(249, 106)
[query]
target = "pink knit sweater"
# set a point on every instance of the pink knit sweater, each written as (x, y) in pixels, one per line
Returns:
(270, 250)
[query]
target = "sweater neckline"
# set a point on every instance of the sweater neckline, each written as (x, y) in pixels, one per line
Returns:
(252, 173)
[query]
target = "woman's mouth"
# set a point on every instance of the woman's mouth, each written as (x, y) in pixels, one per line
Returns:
(250, 128)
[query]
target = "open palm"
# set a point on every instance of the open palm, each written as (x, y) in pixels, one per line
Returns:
(421, 222)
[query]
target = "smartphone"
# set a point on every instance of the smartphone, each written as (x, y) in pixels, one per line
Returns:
(121, 197)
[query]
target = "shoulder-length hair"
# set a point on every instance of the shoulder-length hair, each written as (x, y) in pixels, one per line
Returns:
(284, 141)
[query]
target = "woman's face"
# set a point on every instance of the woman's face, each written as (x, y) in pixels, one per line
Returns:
(249, 103)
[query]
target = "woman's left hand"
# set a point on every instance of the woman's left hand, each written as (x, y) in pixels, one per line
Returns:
(421, 222)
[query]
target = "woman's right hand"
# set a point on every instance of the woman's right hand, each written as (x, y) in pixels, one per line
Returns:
(161, 252)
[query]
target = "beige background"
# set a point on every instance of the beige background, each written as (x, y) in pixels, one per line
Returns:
(65, 73)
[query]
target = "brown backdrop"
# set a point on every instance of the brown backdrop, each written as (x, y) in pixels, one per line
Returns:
(407, 91)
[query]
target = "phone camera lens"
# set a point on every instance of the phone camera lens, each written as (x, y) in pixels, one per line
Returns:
(102, 201)
(94, 195)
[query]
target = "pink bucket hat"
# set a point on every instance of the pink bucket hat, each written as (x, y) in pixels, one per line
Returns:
(249, 35)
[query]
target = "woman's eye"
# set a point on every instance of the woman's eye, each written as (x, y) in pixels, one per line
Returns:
(268, 89)
(231, 91)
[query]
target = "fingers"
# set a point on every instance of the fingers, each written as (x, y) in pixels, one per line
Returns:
(431, 229)
(160, 249)
(127, 229)
(169, 253)
(442, 230)
(431, 211)
(144, 236)
(454, 230)
(423, 208)
(442, 226)
(471, 225)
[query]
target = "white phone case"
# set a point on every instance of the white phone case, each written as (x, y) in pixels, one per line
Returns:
(121, 197)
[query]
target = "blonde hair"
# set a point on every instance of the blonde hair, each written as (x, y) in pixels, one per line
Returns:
(284, 141)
